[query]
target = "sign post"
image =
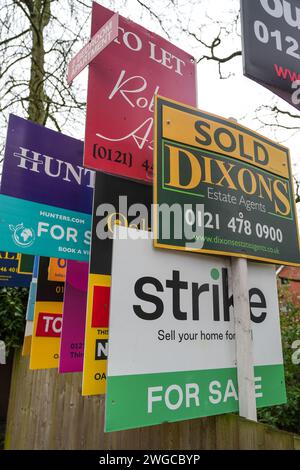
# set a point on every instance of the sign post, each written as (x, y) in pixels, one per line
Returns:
(243, 337)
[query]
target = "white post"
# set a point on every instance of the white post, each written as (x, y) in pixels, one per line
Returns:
(2, 353)
(243, 339)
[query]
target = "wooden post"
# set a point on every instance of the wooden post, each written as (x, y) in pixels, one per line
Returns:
(243, 337)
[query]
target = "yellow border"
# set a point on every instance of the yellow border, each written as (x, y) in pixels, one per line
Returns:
(212, 252)
(227, 121)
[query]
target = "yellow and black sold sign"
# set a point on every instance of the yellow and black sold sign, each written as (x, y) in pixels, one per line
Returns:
(221, 188)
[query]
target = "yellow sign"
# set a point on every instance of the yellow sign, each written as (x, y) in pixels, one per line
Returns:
(214, 134)
(96, 336)
(221, 188)
(45, 343)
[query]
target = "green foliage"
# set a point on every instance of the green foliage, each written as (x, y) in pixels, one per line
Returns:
(13, 303)
(287, 416)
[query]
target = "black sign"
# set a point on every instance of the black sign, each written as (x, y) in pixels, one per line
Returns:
(271, 45)
(116, 200)
(48, 291)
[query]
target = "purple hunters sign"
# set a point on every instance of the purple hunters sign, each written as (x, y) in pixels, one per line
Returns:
(73, 327)
(44, 166)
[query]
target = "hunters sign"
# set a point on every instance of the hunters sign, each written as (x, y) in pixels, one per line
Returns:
(221, 188)
(46, 196)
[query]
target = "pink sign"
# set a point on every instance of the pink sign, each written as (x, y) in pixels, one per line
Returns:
(120, 106)
(99, 41)
(73, 327)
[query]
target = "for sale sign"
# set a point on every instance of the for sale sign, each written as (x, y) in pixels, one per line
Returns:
(123, 80)
(222, 188)
(29, 227)
(54, 222)
(271, 46)
(180, 363)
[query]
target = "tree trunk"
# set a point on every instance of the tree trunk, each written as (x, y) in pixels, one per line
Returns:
(38, 13)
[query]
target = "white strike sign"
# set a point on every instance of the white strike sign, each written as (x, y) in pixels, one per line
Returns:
(172, 342)
(97, 43)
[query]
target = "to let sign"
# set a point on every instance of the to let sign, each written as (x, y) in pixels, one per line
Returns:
(99, 41)
(221, 188)
(49, 325)
(123, 80)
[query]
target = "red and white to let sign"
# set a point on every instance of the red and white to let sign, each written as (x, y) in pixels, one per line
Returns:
(104, 36)
(49, 324)
(123, 80)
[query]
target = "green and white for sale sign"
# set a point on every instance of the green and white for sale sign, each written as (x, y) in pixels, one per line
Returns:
(172, 341)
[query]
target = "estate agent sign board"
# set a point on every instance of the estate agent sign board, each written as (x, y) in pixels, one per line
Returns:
(171, 335)
(230, 186)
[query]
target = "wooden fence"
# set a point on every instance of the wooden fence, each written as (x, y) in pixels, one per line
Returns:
(47, 411)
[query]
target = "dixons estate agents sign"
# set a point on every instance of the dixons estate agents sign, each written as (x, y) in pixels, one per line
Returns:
(235, 185)
(180, 363)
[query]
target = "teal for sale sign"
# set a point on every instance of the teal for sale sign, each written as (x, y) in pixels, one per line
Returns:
(180, 363)
(38, 229)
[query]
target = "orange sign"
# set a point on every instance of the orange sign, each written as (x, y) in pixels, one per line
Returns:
(57, 269)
